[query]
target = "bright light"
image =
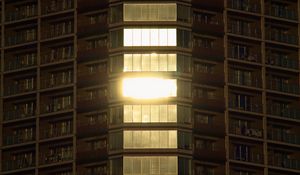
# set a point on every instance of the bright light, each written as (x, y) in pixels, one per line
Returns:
(149, 88)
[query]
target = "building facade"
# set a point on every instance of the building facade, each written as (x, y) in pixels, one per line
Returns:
(117, 87)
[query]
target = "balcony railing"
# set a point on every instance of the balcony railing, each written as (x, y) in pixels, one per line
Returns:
(57, 30)
(57, 132)
(276, 110)
(55, 107)
(251, 156)
(282, 61)
(284, 162)
(284, 137)
(57, 6)
(17, 114)
(283, 87)
(20, 163)
(246, 31)
(21, 37)
(22, 12)
(18, 139)
(253, 82)
(234, 53)
(57, 55)
(286, 13)
(248, 6)
(49, 158)
(20, 62)
(282, 37)
(19, 88)
(250, 132)
(252, 107)
(62, 79)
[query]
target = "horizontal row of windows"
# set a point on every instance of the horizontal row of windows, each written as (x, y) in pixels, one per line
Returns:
(150, 37)
(143, 12)
(150, 113)
(155, 36)
(150, 62)
(150, 139)
(150, 12)
(150, 165)
(163, 113)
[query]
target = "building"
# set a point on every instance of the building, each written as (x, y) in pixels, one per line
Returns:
(186, 87)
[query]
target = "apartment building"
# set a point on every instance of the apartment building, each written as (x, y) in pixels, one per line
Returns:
(127, 87)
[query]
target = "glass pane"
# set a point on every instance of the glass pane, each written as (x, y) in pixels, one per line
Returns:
(154, 34)
(137, 139)
(172, 139)
(163, 34)
(163, 113)
(164, 139)
(137, 62)
(155, 139)
(146, 143)
(172, 113)
(128, 139)
(127, 165)
(137, 113)
(154, 62)
(127, 113)
(163, 62)
(154, 113)
(137, 166)
(172, 62)
(146, 62)
(172, 41)
(146, 113)
(137, 37)
(127, 62)
(128, 37)
(146, 166)
(145, 37)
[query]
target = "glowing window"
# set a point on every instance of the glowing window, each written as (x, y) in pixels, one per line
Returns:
(150, 62)
(149, 88)
(150, 12)
(150, 37)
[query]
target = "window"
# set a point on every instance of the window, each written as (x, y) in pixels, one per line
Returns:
(158, 165)
(116, 39)
(150, 12)
(149, 62)
(150, 37)
(184, 38)
(150, 113)
(149, 88)
(150, 139)
(184, 13)
(116, 14)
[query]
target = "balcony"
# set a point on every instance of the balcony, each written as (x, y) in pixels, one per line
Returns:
(87, 129)
(240, 105)
(19, 111)
(89, 50)
(56, 154)
(214, 152)
(281, 11)
(20, 85)
(21, 61)
(90, 75)
(276, 135)
(208, 48)
(283, 61)
(57, 79)
(54, 6)
(250, 79)
(282, 36)
(216, 127)
(57, 54)
(92, 99)
(282, 161)
(243, 52)
(18, 161)
(21, 37)
(57, 129)
(247, 154)
(57, 29)
(237, 27)
(252, 6)
(21, 12)
(27, 135)
(284, 112)
(92, 170)
(243, 131)
(209, 99)
(209, 74)
(279, 85)
(85, 155)
(212, 4)
(207, 23)
(57, 104)
(92, 24)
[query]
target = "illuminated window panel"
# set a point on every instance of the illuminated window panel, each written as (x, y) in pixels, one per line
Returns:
(150, 165)
(149, 62)
(144, 139)
(149, 88)
(150, 37)
(150, 113)
(150, 12)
